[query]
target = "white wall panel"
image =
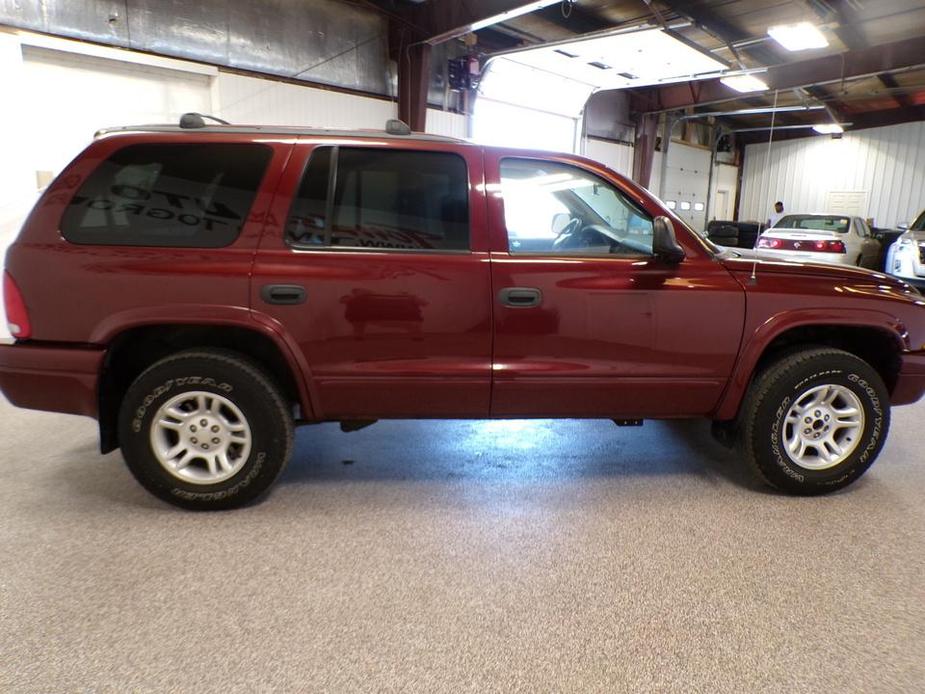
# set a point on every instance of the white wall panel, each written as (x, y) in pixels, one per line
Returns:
(618, 157)
(887, 163)
(72, 96)
(723, 191)
(259, 101)
(447, 124)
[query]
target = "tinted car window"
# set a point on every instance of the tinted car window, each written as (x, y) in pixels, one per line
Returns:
(557, 208)
(919, 224)
(306, 224)
(193, 195)
(382, 199)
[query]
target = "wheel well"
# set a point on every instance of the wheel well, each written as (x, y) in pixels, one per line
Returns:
(133, 351)
(877, 347)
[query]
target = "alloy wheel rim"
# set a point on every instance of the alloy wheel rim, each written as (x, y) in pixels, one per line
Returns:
(823, 427)
(200, 437)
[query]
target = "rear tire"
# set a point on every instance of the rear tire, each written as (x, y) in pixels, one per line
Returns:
(205, 430)
(814, 421)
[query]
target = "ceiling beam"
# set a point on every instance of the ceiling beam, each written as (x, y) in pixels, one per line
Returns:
(849, 65)
(848, 33)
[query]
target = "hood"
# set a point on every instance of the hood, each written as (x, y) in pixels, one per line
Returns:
(742, 260)
(916, 235)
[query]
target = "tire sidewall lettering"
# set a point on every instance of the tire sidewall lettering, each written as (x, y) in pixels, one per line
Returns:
(872, 432)
(168, 386)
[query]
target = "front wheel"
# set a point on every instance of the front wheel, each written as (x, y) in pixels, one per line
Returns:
(205, 430)
(814, 421)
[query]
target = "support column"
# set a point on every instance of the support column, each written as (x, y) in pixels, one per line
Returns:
(644, 148)
(413, 79)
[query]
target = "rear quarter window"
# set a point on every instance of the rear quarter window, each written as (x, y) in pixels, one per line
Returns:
(185, 195)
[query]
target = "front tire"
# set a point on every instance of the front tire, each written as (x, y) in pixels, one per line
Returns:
(205, 430)
(815, 421)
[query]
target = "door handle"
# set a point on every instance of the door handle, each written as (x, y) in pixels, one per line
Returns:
(285, 294)
(520, 297)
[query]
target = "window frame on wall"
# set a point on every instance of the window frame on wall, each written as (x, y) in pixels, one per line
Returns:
(333, 206)
(620, 196)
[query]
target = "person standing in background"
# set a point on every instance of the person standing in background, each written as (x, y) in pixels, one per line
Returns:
(776, 214)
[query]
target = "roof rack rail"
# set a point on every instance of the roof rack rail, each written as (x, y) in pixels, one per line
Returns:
(192, 120)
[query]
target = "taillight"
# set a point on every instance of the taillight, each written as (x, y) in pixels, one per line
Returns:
(830, 247)
(821, 246)
(17, 318)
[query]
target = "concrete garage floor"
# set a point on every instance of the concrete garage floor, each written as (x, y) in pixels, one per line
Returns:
(462, 556)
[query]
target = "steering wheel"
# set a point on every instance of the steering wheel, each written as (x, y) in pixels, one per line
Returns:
(568, 235)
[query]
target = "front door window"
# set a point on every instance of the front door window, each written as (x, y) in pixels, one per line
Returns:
(559, 209)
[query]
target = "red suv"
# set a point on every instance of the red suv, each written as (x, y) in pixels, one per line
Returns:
(201, 290)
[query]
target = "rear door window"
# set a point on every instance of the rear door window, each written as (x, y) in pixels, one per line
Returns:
(186, 195)
(374, 198)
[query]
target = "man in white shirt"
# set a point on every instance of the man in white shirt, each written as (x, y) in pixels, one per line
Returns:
(776, 214)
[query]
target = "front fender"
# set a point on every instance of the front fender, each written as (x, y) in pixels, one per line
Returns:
(754, 345)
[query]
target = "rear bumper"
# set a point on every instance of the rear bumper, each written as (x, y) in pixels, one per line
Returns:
(52, 378)
(910, 386)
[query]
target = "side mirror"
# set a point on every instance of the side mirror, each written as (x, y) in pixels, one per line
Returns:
(664, 244)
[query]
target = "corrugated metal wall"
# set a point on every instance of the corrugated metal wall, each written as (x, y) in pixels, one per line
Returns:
(338, 43)
(888, 163)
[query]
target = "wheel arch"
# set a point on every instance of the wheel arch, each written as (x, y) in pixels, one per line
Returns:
(879, 344)
(134, 349)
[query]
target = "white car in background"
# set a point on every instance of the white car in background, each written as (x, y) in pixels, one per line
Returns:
(906, 257)
(821, 238)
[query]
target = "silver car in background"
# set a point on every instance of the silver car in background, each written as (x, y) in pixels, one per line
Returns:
(906, 257)
(821, 238)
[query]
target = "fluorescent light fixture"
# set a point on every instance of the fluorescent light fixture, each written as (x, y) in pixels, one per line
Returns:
(671, 204)
(685, 205)
(744, 83)
(798, 37)
(510, 14)
(698, 207)
(828, 128)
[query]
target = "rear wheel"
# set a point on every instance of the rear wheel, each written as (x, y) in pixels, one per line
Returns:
(814, 421)
(205, 430)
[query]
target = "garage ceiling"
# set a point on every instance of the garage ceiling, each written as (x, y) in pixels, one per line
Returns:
(870, 73)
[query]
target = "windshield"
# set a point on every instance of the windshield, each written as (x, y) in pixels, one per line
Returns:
(919, 223)
(814, 222)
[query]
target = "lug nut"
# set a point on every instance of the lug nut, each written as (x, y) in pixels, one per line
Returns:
(216, 441)
(205, 446)
(807, 431)
(192, 427)
(194, 440)
(215, 428)
(827, 418)
(818, 413)
(204, 422)
(807, 420)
